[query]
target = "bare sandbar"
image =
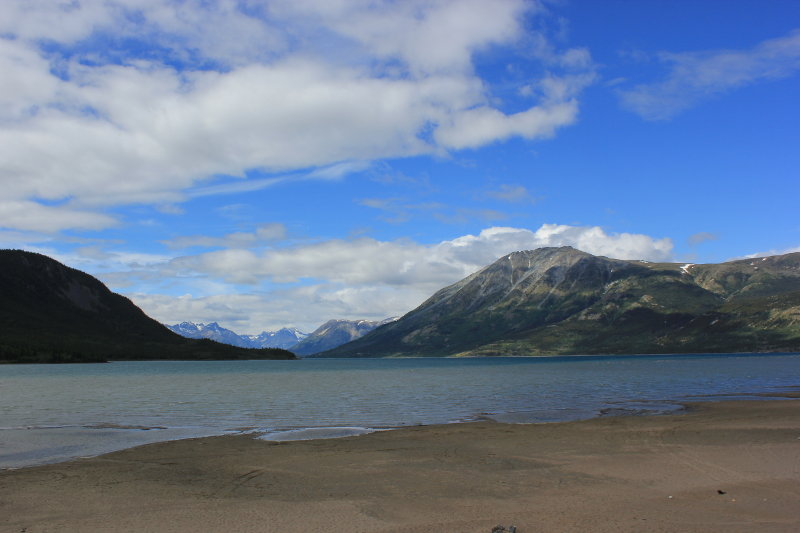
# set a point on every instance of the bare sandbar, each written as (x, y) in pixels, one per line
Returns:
(721, 467)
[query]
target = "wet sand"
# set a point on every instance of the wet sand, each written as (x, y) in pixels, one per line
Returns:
(721, 467)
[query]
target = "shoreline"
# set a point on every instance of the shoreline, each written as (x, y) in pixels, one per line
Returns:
(117, 441)
(730, 466)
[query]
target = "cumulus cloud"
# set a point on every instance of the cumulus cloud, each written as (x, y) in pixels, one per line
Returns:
(218, 90)
(696, 76)
(307, 284)
(495, 242)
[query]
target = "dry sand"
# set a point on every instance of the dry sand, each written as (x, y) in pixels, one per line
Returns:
(637, 474)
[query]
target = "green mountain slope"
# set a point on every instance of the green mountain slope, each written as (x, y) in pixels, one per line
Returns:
(53, 313)
(563, 301)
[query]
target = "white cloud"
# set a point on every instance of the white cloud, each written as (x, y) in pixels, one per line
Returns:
(494, 242)
(472, 128)
(327, 173)
(32, 216)
(366, 260)
(428, 37)
(218, 30)
(105, 127)
(701, 75)
(22, 239)
(27, 81)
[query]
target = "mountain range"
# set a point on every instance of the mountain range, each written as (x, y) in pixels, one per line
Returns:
(283, 338)
(564, 301)
(331, 334)
(538, 302)
(52, 313)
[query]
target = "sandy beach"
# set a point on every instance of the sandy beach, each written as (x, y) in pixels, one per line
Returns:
(720, 467)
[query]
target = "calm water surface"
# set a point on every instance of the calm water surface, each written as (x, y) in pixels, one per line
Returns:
(55, 412)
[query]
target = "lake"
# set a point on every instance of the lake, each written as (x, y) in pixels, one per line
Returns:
(52, 413)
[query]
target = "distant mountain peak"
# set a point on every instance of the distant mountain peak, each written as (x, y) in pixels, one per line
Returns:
(336, 332)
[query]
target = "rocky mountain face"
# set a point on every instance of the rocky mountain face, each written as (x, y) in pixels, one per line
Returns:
(52, 313)
(283, 338)
(334, 333)
(563, 301)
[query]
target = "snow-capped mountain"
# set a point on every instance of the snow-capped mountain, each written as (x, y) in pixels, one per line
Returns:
(284, 338)
(330, 335)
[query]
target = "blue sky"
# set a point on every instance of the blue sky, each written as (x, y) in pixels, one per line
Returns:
(281, 163)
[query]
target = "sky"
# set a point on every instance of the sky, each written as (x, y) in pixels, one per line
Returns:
(276, 163)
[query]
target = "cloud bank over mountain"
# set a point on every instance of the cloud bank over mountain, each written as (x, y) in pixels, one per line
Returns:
(343, 278)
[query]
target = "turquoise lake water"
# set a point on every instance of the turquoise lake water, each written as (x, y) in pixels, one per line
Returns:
(51, 413)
